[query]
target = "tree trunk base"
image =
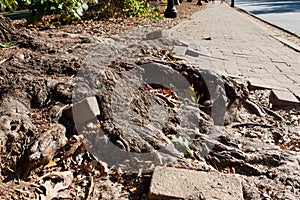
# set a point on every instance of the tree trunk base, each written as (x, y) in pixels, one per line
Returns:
(7, 30)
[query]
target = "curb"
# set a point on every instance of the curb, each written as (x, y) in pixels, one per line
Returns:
(287, 43)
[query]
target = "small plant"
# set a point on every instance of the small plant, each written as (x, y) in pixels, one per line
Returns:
(182, 146)
(293, 118)
(12, 5)
(8, 5)
(139, 8)
(73, 9)
(67, 9)
(7, 44)
(192, 94)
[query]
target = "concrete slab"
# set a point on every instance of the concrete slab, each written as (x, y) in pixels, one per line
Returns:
(284, 98)
(174, 183)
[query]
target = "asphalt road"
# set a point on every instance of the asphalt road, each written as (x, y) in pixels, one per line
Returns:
(285, 14)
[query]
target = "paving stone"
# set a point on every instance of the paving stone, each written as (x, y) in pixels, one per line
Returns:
(281, 78)
(258, 83)
(294, 77)
(284, 98)
(174, 183)
(156, 34)
(255, 72)
(295, 90)
(230, 63)
(234, 71)
(271, 68)
(251, 51)
(253, 59)
(191, 52)
(179, 50)
(265, 83)
(264, 59)
(284, 68)
(277, 60)
(218, 54)
(242, 62)
(83, 111)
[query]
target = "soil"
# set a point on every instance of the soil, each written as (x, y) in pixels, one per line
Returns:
(47, 155)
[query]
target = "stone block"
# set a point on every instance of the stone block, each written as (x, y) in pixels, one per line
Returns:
(265, 83)
(284, 98)
(258, 83)
(174, 183)
(83, 111)
(156, 35)
(179, 50)
(191, 52)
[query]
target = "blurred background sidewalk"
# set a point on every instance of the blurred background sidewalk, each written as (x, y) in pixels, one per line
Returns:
(242, 48)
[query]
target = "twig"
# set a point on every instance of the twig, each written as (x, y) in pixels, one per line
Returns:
(254, 108)
(91, 187)
(61, 109)
(59, 174)
(251, 124)
(23, 193)
(2, 61)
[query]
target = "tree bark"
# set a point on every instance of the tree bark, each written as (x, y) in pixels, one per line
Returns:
(7, 30)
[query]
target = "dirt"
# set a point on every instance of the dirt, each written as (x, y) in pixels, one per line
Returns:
(46, 155)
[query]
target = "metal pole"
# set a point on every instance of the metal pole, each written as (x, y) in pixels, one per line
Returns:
(232, 3)
(199, 3)
(171, 11)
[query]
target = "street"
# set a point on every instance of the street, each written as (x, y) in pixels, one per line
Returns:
(285, 14)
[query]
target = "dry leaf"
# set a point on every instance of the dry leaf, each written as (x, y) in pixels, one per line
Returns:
(283, 147)
(58, 190)
(51, 163)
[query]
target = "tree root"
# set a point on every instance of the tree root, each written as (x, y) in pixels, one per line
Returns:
(253, 107)
(251, 124)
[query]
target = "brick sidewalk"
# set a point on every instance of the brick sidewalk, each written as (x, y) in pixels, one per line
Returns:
(240, 47)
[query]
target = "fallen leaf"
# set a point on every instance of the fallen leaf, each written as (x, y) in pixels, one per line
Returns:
(51, 163)
(283, 147)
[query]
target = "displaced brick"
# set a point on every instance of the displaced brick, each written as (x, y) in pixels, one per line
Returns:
(169, 183)
(191, 52)
(284, 98)
(179, 50)
(83, 111)
(258, 83)
(156, 35)
(265, 83)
